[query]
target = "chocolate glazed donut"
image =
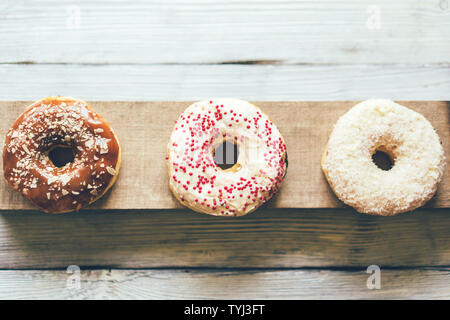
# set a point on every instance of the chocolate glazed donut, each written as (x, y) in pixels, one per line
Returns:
(61, 122)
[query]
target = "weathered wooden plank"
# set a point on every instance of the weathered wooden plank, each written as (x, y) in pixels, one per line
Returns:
(268, 239)
(203, 31)
(249, 82)
(430, 283)
(144, 130)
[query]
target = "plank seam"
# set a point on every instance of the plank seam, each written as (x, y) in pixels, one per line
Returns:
(246, 269)
(233, 62)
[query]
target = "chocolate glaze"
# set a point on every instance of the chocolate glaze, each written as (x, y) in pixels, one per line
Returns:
(57, 121)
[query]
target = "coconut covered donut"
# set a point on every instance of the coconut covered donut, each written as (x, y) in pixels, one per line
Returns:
(201, 185)
(405, 136)
(61, 122)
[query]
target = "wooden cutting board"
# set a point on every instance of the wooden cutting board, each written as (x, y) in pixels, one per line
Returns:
(144, 128)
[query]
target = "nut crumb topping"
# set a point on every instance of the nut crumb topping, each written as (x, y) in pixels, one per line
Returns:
(45, 125)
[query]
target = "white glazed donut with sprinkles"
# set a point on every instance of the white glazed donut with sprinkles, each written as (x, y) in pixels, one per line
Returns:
(195, 179)
(403, 134)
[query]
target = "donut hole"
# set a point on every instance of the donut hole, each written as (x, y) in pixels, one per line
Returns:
(226, 155)
(382, 159)
(61, 155)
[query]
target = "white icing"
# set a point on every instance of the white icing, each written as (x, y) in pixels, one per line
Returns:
(199, 130)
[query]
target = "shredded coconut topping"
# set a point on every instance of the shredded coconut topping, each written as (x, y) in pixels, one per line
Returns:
(404, 134)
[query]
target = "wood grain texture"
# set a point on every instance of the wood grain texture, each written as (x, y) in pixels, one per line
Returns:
(204, 31)
(269, 238)
(190, 50)
(144, 131)
(429, 283)
(250, 82)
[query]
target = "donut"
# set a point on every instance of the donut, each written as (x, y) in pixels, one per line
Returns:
(203, 186)
(65, 123)
(405, 136)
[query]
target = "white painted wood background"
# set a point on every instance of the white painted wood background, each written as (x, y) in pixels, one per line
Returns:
(255, 50)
